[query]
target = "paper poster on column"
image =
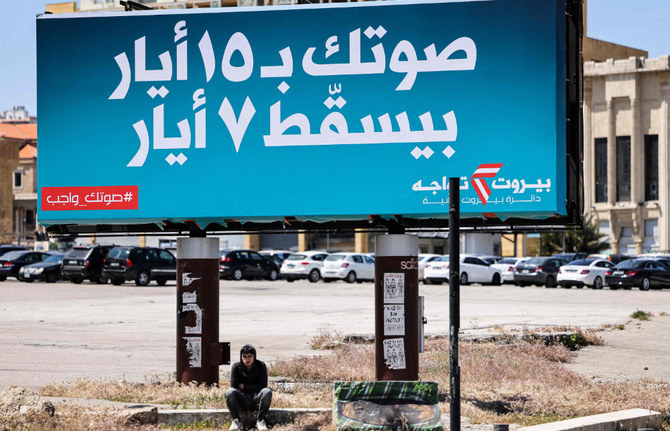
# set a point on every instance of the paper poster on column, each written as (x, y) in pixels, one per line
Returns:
(394, 353)
(394, 288)
(394, 319)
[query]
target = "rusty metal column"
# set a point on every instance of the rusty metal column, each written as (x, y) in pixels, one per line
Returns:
(397, 307)
(198, 349)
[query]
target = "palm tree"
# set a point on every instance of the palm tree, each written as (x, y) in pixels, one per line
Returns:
(587, 239)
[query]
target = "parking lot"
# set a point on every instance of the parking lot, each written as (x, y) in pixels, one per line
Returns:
(63, 331)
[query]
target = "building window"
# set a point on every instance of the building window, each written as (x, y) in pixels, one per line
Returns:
(623, 168)
(18, 179)
(650, 167)
(30, 217)
(601, 169)
(650, 235)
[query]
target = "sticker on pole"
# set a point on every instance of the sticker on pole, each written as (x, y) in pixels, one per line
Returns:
(394, 288)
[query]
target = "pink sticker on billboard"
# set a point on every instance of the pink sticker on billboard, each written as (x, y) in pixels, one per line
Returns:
(89, 198)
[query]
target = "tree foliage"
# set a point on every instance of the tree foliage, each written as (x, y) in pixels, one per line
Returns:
(587, 239)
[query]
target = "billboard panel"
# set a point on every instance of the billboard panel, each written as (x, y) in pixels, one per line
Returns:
(318, 113)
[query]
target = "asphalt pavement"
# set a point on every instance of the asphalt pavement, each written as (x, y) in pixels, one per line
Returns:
(55, 332)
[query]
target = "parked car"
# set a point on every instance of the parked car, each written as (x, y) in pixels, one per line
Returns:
(140, 264)
(538, 271)
(614, 258)
(11, 262)
(580, 273)
(569, 257)
(239, 264)
(6, 248)
(643, 273)
(506, 266)
(278, 256)
(424, 260)
(472, 270)
(84, 262)
(47, 270)
(306, 264)
(349, 267)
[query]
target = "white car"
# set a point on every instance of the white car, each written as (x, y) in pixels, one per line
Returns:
(472, 268)
(349, 267)
(580, 273)
(306, 264)
(506, 266)
(424, 259)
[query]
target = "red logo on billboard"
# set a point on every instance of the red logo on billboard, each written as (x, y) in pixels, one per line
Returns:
(487, 170)
(89, 198)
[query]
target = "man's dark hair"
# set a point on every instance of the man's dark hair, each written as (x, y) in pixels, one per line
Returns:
(247, 349)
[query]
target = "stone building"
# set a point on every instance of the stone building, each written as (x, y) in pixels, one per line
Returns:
(626, 151)
(18, 189)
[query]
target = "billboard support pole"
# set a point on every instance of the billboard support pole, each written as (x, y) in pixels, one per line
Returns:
(199, 352)
(397, 307)
(454, 304)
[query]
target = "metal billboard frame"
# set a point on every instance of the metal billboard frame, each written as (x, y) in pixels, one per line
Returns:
(398, 223)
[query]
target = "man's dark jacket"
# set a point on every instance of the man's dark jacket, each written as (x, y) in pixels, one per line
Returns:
(254, 379)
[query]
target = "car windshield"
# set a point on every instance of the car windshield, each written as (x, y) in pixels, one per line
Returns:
(335, 257)
(296, 257)
(54, 258)
(118, 253)
(630, 264)
(535, 261)
(13, 255)
(507, 261)
(442, 259)
(78, 252)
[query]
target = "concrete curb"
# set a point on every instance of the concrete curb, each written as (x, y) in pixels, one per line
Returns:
(616, 421)
(221, 416)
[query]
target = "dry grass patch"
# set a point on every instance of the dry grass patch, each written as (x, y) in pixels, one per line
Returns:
(523, 382)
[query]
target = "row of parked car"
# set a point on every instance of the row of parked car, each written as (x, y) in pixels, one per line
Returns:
(117, 264)
(308, 265)
(97, 263)
(645, 272)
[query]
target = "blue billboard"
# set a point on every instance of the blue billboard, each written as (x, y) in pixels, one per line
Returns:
(321, 112)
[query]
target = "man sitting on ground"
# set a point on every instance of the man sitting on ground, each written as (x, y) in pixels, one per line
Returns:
(249, 388)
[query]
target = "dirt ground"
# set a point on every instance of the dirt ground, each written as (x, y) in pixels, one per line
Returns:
(640, 351)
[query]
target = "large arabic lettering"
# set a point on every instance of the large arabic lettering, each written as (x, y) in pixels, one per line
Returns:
(237, 63)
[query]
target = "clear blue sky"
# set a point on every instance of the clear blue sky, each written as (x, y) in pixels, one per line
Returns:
(643, 24)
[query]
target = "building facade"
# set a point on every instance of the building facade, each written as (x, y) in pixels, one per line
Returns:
(626, 151)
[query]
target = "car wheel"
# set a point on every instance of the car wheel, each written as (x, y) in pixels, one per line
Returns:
(161, 281)
(351, 277)
(496, 280)
(646, 284)
(272, 275)
(550, 281)
(52, 277)
(77, 280)
(3, 278)
(314, 275)
(464, 278)
(117, 281)
(598, 283)
(142, 278)
(237, 274)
